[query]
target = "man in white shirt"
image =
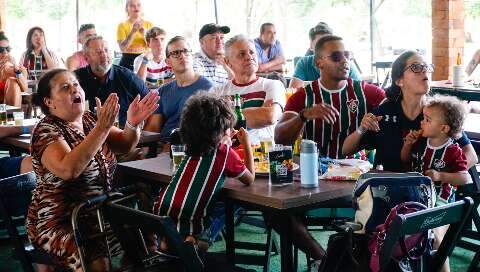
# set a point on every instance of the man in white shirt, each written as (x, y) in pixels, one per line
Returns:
(262, 99)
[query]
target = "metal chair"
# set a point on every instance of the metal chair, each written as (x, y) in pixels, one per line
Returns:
(455, 214)
(15, 197)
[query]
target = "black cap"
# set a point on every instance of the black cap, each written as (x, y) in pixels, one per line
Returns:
(212, 28)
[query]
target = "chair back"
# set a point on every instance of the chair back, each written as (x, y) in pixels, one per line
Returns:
(15, 197)
(454, 214)
(124, 219)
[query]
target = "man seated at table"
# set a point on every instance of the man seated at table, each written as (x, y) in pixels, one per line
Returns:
(269, 50)
(331, 107)
(306, 68)
(150, 66)
(210, 61)
(263, 99)
(78, 60)
(100, 78)
(12, 166)
(174, 94)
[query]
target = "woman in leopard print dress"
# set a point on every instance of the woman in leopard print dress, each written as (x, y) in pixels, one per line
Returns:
(73, 160)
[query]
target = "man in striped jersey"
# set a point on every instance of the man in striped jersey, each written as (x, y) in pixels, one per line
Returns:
(150, 66)
(210, 61)
(262, 99)
(331, 107)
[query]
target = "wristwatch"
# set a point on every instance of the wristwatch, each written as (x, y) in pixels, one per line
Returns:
(301, 114)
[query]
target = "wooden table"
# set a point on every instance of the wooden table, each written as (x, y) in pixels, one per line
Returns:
(280, 201)
(21, 143)
(467, 92)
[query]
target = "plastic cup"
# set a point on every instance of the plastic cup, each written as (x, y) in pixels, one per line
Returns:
(18, 117)
(178, 152)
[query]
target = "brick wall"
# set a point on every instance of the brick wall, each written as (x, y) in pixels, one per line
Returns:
(448, 35)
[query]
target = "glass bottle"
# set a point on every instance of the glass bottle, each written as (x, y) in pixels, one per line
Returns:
(241, 122)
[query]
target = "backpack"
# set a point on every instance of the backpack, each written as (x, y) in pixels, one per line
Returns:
(375, 194)
(412, 247)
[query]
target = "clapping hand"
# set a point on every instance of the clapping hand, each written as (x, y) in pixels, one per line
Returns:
(107, 113)
(139, 110)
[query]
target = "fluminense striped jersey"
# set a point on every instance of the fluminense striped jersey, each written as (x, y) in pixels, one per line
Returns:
(352, 102)
(196, 182)
(448, 157)
(155, 70)
(203, 65)
(254, 94)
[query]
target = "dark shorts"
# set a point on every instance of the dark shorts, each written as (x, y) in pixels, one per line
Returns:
(10, 166)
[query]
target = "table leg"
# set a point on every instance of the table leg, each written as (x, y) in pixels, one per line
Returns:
(230, 232)
(286, 247)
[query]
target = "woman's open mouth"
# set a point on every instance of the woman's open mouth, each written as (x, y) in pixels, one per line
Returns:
(77, 99)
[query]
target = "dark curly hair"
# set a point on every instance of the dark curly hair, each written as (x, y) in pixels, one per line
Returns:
(394, 92)
(205, 118)
(44, 88)
(453, 111)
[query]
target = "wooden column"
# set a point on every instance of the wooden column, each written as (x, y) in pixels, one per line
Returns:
(448, 35)
(3, 7)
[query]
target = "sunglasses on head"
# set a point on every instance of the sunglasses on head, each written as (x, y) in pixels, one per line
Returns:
(420, 68)
(338, 56)
(176, 53)
(5, 49)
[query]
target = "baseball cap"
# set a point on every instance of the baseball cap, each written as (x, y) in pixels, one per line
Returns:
(320, 28)
(213, 28)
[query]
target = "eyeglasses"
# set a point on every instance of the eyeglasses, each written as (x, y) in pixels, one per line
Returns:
(5, 49)
(338, 56)
(176, 53)
(420, 68)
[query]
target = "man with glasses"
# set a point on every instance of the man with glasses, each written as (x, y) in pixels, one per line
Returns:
(100, 78)
(210, 61)
(306, 68)
(331, 107)
(174, 94)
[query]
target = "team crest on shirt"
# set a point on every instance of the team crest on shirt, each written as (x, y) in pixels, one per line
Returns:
(438, 164)
(352, 105)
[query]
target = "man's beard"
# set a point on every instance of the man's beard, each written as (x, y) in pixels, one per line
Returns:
(102, 68)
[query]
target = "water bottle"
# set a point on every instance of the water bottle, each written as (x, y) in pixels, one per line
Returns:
(308, 163)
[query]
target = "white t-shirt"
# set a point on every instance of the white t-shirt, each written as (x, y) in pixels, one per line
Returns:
(254, 94)
(155, 70)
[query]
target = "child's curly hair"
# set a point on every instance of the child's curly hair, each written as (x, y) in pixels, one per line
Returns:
(205, 118)
(454, 111)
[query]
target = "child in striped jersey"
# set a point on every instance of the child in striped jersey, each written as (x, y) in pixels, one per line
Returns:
(205, 126)
(431, 151)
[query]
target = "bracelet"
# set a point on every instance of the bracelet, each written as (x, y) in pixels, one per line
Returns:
(360, 130)
(145, 60)
(25, 130)
(130, 126)
(302, 116)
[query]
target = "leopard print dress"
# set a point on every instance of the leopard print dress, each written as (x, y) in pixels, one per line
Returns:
(49, 215)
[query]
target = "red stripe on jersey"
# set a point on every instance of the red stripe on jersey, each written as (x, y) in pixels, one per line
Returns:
(333, 149)
(158, 70)
(159, 201)
(427, 158)
(254, 95)
(182, 189)
(318, 128)
(208, 190)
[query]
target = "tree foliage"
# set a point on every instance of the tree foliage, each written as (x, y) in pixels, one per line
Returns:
(472, 9)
